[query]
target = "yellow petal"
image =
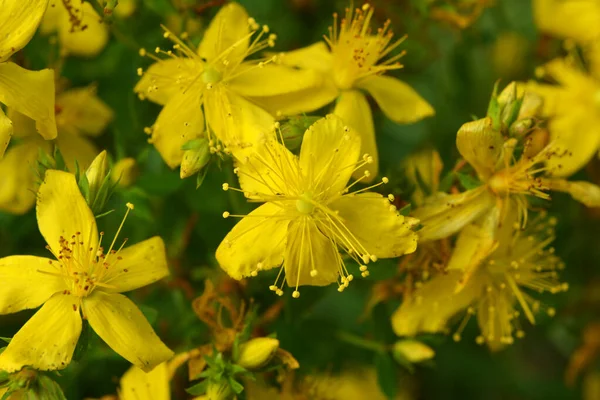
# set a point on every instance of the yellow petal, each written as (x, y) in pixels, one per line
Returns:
(308, 249)
(329, 149)
(86, 42)
(579, 20)
(398, 101)
(568, 74)
(20, 20)
(316, 57)
(26, 283)
(271, 80)
(302, 101)
(30, 93)
(413, 350)
(166, 78)
(136, 384)
(141, 264)
(17, 187)
(23, 126)
(443, 215)
(82, 110)
(6, 132)
(254, 241)
(352, 107)
(423, 168)
(480, 145)
(180, 121)
(236, 122)
(47, 341)
(584, 192)
(62, 210)
(125, 329)
(76, 148)
(431, 306)
(228, 27)
(383, 231)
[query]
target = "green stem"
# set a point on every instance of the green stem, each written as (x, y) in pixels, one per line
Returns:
(361, 342)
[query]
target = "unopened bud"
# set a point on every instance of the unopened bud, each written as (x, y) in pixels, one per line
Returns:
(96, 173)
(195, 157)
(219, 391)
(531, 106)
(520, 128)
(125, 172)
(412, 351)
(257, 352)
(536, 142)
(293, 130)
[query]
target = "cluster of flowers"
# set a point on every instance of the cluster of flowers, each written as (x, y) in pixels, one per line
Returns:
(476, 242)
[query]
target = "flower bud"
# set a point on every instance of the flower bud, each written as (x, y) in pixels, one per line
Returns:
(96, 173)
(125, 172)
(520, 128)
(536, 142)
(293, 130)
(257, 352)
(195, 157)
(219, 391)
(531, 107)
(413, 351)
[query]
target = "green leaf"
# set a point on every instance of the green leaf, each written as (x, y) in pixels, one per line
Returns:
(198, 389)
(467, 181)
(83, 342)
(235, 385)
(387, 374)
(494, 111)
(5, 339)
(446, 182)
(200, 177)
(405, 210)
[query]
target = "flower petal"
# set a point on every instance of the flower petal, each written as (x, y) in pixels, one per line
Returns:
(271, 80)
(20, 20)
(584, 192)
(62, 210)
(259, 238)
(17, 186)
(136, 384)
(228, 27)
(180, 121)
(141, 264)
(308, 249)
(81, 109)
(422, 169)
(30, 93)
(166, 78)
(26, 282)
(76, 148)
(119, 322)
(329, 150)
(381, 230)
(87, 42)
(579, 20)
(6, 132)
(239, 124)
(47, 341)
(316, 57)
(445, 214)
(430, 308)
(302, 101)
(480, 145)
(398, 101)
(353, 108)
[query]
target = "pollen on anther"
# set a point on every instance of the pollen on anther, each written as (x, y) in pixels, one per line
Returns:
(142, 52)
(226, 214)
(225, 186)
(314, 273)
(296, 294)
(140, 72)
(385, 180)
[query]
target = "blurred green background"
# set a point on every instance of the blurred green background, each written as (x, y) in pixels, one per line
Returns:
(454, 69)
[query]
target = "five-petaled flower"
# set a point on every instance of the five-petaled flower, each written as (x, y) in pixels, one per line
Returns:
(310, 213)
(85, 280)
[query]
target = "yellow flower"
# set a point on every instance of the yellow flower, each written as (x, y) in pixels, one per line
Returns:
(506, 181)
(574, 19)
(28, 92)
(499, 277)
(79, 113)
(572, 105)
(85, 280)
(81, 31)
(216, 77)
(136, 384)
(309, 213)
(351, 64)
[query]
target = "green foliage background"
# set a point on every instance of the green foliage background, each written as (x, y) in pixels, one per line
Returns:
(454, 70)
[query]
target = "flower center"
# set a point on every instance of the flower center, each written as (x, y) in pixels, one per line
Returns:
(211, 75)
(304, 204)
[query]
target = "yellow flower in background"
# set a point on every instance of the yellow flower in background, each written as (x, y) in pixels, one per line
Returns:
(216, 77)
(28, 92)
(85, 280)
(572, 19)
(137, 384)
(309, 214)
(81, 31)
(572, 105)
(501, 280)
(79, 114)
(353, 61)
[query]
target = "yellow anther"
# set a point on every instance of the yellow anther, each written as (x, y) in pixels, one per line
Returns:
(226, 186)
(226, 214)
(296, 294)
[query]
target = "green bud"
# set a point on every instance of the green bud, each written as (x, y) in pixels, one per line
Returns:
(195, 157)
(521, 127)
(125, 172)
(96, 173)
(412, 351)
(219, 391)
(257, 352)
(293, 130)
